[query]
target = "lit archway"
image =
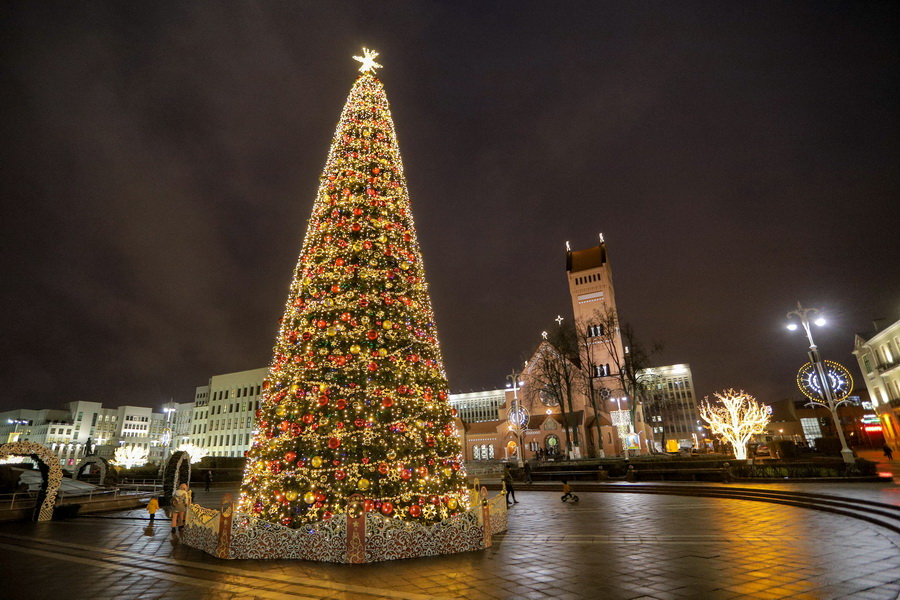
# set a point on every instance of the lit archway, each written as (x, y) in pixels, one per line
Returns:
(512, 449)
(93, 460)
(51, 474)
(177, 471)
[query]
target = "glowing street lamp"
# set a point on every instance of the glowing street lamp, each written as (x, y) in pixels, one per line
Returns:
(517, 417)
(166, 438)
(14, 436)
(824, 383)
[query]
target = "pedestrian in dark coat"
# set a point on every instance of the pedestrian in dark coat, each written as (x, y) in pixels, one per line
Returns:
(510, 491)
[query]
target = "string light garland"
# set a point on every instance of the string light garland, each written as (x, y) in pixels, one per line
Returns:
(838, 379)
(737, 417)
(356, 398)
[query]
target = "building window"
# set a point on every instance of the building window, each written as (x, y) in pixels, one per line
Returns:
(476, 452)
(601, 370)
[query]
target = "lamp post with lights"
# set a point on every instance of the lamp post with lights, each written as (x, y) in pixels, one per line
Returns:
(167, 437)
(804, 315)
(517, 417)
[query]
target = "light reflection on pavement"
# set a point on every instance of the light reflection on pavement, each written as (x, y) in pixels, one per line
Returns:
(607, 546)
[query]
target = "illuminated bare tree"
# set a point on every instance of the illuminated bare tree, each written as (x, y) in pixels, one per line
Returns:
(130, 456)
(737, 417)
(194, 451)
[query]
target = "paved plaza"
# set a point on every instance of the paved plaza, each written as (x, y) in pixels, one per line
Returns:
(607, 546)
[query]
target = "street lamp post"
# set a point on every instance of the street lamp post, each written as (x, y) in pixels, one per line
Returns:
(804, 315)
(516, 413)
(167, 437)
(619, 421)
(16, 422)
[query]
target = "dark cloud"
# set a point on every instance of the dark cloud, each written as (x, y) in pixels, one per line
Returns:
(159, 164)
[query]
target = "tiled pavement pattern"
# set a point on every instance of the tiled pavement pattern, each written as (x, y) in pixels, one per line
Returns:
(607, 546)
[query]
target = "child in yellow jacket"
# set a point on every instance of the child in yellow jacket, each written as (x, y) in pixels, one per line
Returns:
(152, 507)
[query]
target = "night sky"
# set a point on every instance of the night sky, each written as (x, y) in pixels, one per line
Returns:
(160, 161)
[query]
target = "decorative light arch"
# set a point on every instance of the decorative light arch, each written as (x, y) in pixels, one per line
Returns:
(177, 471)
(93, 459)
(51, 474)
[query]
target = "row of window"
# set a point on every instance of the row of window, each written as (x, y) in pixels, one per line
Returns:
(587, 279)
(595, 330)
(241, 392)
(483, 452)
(602, 370)
(233, 439)
(479, 410)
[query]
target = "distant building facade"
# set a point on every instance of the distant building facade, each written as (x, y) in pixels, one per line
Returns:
(879, 362)
(671, 408)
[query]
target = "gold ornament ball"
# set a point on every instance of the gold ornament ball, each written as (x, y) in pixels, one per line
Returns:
(309, 497)
(316, 461)
(355, 509)
(291, 495)
(364, 484)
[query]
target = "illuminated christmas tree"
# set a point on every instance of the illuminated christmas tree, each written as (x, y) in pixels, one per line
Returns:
(356, 399)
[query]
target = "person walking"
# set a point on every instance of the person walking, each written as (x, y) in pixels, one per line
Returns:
(180, 500)
(567, 491)
(510, 491)
(208, 479)
(152, 507)
(888, 453)
(527, 472)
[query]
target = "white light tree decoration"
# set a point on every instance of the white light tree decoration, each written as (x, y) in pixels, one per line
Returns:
(130, 456)
(737, 417)
(194, 451)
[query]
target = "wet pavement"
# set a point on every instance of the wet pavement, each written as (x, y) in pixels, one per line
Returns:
(606, 546)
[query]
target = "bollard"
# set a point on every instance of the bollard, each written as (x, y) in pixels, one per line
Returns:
(630, 476)
(223, 546)
(356, 530)
(486, 517)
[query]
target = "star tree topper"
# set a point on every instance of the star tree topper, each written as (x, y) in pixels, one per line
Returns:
(368, 61)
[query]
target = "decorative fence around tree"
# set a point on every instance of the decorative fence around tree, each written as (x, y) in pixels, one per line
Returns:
(347, 538)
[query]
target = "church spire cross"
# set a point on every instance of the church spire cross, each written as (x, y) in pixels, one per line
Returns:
(558, 320)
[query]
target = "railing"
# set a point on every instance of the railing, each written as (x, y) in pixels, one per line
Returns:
(142, 485)
(886, 366)
(95, 495)
(25, 500)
